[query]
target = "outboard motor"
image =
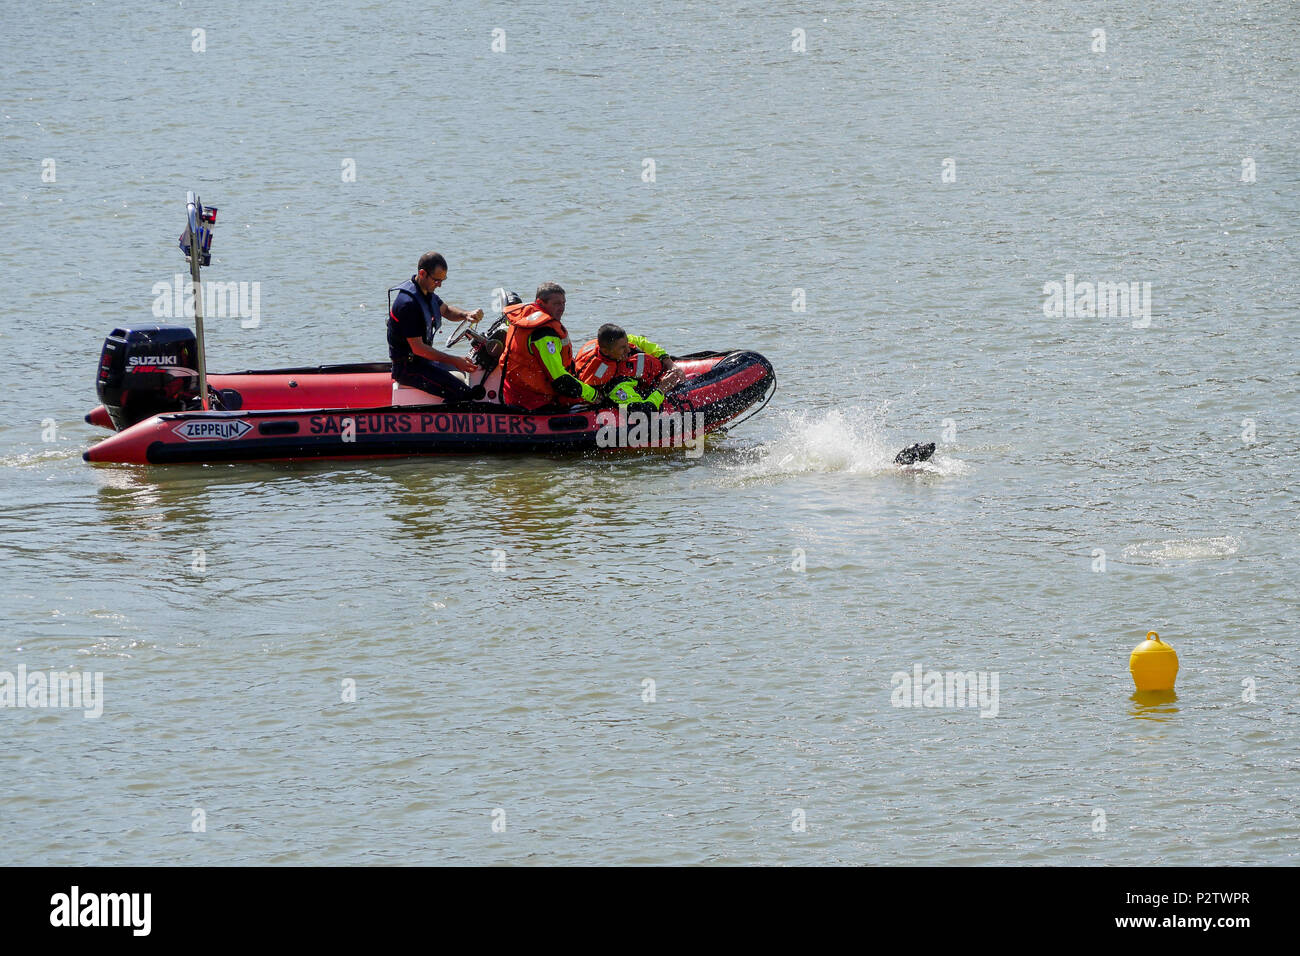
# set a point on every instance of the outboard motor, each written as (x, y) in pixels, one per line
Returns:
(146, 371)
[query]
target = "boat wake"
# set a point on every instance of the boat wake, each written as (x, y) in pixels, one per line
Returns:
(38, 459)
(852, 441)
(1179, 550)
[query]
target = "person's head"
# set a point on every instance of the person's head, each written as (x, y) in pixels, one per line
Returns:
(612, 341)
(551, 298)
(431, 272)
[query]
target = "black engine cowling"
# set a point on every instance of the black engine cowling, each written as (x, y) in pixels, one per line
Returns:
(146, 371)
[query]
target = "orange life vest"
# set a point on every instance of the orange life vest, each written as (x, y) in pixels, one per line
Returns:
(524, 379)
(595, 369)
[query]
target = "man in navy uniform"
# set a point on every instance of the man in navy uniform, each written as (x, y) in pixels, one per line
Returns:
(416, 315)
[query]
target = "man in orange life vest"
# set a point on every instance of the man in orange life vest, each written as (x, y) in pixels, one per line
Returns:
(627, 369)
(538, 357)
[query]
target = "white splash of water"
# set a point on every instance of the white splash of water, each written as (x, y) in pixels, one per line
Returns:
(851, 441)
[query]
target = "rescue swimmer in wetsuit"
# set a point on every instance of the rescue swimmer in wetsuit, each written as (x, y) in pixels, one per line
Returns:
(414, 319)
(627, 369)
(538, 357)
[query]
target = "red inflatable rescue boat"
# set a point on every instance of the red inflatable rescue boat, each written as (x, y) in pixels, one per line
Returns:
(165, 407)
(149, 388)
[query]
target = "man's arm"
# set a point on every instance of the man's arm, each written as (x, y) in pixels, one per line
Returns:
(566, 383)
(411, 326)
(645, 345)
(628, 393)
(460, 315)
(672, 375)
(434, 355)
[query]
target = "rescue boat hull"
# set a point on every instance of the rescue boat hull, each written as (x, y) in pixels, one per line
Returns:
(348, 413)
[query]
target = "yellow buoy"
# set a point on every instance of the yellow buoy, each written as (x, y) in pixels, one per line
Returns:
(1153, 664)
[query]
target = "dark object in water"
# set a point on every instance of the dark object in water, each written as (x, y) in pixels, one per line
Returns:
(914, 453)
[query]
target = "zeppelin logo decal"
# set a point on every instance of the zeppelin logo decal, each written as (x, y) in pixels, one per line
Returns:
(212, 431)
